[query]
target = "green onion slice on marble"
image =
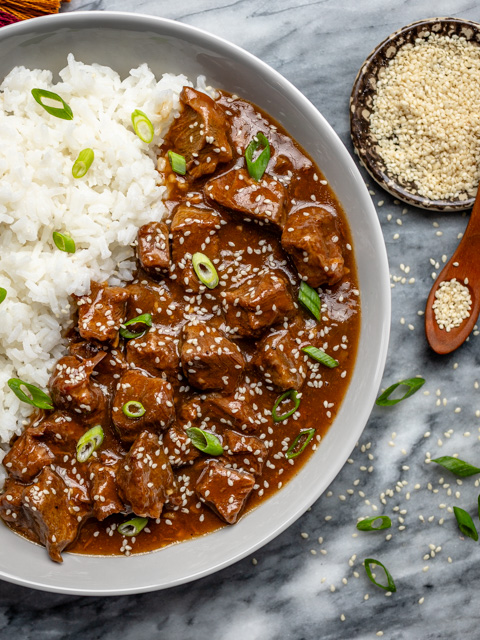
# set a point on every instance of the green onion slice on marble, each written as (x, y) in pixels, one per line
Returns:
(256, 168)
(300, 443)
(37, 397)
(369, 523)
(145, 319)
(390, 583)
(132, 527)
(89, 442)
(3, 294)
(456, 466)
(465, 523)
(142, 126)
(64, 112)
(413, 384)
(178, 163)
(321, 356)
(206, 272)
(205, 441)
(83, 163)
(288, 395)
(133, 409)
(310, 299)
(64, 242)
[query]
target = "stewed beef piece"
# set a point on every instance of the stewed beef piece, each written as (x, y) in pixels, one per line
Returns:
(312, 237)
(227, 410)
(101, 312)
(199, 134)
(178, 447)
(243, 451)
(210, 361)
(72, 387)
(153, 248)
(264, 201)
(145, 478)
(261, 301)
(278, 360)
(103, 487)
(155, 299)
(156, 353)
(224, 490)
(156, 397)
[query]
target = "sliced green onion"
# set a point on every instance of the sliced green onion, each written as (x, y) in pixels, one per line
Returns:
(291, 395)
(413, 384)
(310, 299)
(367, 524)
(64, 242)
(145, 319)
(206, 272)
(83, 163)
(65, 112)
(177, 162)
(205, 441)
(133, 409)
(142, 126)
(479, 506)
(391, 584)
(320, 356)
(456, 466)
(256, 168)
(37, 397)
(3, 294)
(465, 523)
(132, 527)
(299, 444)
(89, 442)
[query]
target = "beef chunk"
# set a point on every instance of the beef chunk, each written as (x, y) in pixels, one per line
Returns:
(228, 410)
(311, 236)
(71, 386)
(260, 302)
(278, 359)
(27, 457)
(193, 230)
(179, 448)
(101, 312)
(145, 478)
(209, 360)
(263, 201)
(155, 394)
(103, 488)
(43, 508)
(199, 133)
(242, 451)
(224, 490)
(155, 352)
(153, 247)
(156, 299)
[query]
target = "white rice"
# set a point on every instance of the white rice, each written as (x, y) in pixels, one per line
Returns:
(38, 195)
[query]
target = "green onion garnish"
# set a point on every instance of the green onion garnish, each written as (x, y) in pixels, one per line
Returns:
(310, 299)
(456, 466)
(293, 395)
(320, 356)
(142, 126)
(132, 527)
(133, 409)
(89, 442)
(413, 384)
(299, 444)
(177, 162)
(145, 319)
(465, 523)
(205, 441)
(367, 524)
(64, 242)
(37, 397)
(391, 584)
(83, 163)
(206, 272)
(65, 112)
(256, 168)
(479, 506)
(3, 294)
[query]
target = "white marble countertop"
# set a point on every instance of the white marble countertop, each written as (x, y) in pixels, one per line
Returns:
(309, 582)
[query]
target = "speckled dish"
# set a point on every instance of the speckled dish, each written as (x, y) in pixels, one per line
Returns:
(361, 102)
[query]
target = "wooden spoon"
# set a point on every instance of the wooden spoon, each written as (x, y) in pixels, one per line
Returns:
(467, 256)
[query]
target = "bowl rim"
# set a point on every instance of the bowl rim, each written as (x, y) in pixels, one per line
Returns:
(363, 413)
(359, 126)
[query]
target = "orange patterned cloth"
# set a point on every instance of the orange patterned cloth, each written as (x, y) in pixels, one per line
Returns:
(14, 10)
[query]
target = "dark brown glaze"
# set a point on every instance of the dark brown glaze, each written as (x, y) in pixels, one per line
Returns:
(216, 359)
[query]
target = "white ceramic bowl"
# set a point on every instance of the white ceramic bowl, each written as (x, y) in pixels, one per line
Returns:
(123, 41)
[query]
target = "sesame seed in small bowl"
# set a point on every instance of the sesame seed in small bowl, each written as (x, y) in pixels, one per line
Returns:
(415, 114)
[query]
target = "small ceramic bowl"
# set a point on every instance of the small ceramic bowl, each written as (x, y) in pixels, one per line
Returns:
(361, 104)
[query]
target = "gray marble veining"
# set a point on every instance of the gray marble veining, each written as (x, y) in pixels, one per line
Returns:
(300, 588)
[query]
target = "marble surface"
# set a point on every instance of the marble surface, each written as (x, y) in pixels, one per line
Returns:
(309, 582)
